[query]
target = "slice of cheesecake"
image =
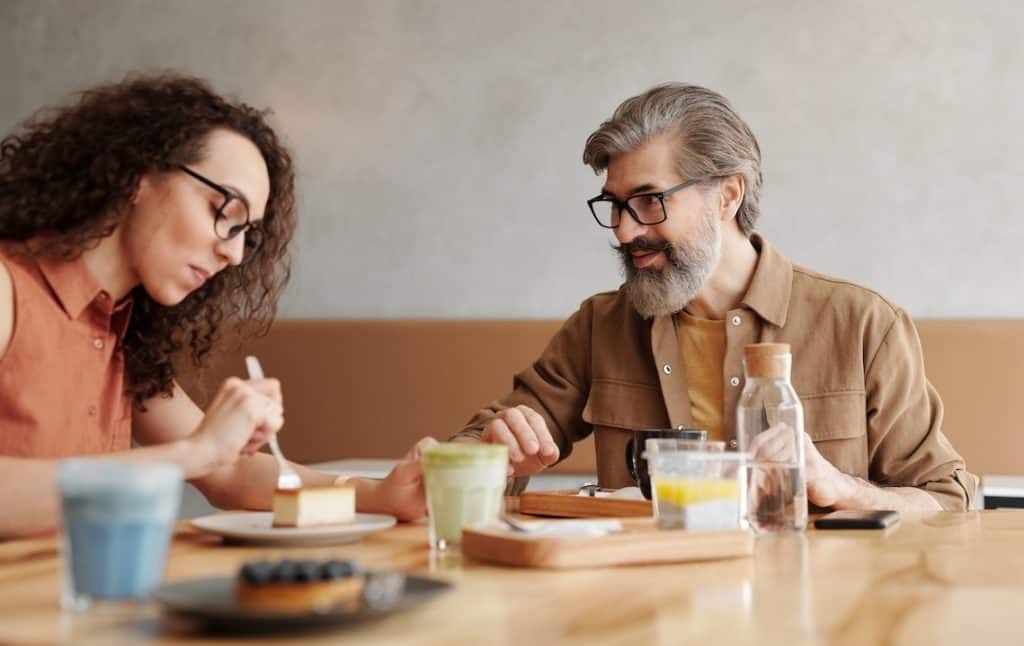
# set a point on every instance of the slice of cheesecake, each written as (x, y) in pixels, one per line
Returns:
(314, 506)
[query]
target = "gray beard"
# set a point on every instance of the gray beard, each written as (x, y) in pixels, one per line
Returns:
(662, 292)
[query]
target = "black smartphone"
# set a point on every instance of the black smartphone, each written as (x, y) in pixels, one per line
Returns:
(858, 519)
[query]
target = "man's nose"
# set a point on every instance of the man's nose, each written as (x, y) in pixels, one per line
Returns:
(629, 229)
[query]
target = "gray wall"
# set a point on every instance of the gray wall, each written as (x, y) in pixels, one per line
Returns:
(439, 143)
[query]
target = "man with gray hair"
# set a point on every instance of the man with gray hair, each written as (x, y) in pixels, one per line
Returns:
(681, 192)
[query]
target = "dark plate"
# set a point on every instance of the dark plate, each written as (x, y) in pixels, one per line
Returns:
(211, 601)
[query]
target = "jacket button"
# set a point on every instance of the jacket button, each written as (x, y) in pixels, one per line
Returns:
(735, 381)
(736, 320)
(667, 369)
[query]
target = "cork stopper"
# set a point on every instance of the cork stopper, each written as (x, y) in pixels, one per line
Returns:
(767, 360)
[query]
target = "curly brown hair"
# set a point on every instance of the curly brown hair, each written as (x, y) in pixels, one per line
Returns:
(67, 178)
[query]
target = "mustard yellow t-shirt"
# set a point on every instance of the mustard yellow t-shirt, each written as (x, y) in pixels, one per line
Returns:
(702, 344)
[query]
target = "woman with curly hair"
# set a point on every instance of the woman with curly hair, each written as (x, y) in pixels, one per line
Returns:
(135, 222)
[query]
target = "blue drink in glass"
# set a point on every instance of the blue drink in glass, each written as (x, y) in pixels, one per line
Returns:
(118, 521)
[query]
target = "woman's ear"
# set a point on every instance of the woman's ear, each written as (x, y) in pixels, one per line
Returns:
(730, 196)
(143, 184)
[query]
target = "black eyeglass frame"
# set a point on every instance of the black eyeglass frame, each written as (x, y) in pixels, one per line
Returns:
(624, 204)
(252, 244)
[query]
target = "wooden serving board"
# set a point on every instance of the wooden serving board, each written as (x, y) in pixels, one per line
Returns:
(567, 504)
(641, 544)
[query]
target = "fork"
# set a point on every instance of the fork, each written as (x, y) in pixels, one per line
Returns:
(609, 526)
(287, 478)
(517, 525)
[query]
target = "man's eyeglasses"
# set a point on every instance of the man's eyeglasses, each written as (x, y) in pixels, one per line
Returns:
(645, 208)
(232, 217)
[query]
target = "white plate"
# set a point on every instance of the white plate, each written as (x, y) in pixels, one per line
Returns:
(255, 527)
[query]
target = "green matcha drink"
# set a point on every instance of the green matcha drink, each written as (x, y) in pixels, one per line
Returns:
(465, 485)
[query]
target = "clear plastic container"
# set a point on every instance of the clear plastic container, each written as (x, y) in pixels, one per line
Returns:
(696, 485)
(769, 430)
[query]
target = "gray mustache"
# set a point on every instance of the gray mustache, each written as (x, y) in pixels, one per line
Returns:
(626, 249)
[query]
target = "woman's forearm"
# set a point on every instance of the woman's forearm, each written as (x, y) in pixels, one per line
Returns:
(29, 494)
(28, 497)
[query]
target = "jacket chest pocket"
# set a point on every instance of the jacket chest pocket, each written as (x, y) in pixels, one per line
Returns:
(614, 409)
(837, 424)
(624, 405)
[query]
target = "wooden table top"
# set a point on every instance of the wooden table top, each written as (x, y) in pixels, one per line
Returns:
(946, 578)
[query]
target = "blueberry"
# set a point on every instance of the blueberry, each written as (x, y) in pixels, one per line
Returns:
(338, 570)
(257, 572)
(285, 572)
(307, 571)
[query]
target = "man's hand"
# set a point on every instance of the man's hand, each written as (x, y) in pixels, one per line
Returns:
(826, 485)
(525, 433)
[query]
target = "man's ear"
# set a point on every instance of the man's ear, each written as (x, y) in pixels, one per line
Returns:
(730, 196)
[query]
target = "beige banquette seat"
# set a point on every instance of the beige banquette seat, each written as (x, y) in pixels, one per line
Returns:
(369, 388)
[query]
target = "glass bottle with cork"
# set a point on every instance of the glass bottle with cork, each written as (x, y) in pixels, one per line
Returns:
(769, 430)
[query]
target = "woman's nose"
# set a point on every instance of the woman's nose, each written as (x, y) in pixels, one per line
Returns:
(232, 250)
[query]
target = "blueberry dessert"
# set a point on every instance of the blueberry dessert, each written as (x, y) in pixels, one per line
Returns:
(297, 586)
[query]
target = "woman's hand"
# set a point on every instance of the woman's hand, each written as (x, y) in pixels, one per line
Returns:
(240, 419)
(401, 493)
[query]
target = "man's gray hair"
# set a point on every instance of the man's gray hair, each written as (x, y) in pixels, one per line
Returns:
(713, 140)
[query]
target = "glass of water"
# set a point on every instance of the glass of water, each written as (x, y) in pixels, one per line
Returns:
(770, 430)
(776, 497)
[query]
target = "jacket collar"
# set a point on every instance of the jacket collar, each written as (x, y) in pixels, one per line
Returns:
(772, 284)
